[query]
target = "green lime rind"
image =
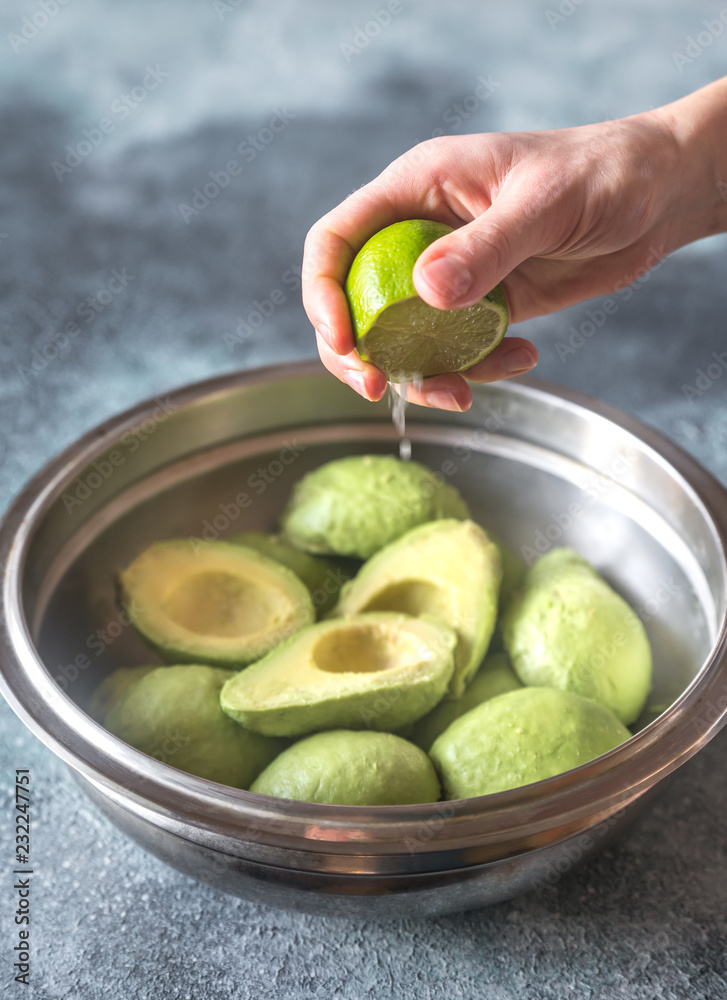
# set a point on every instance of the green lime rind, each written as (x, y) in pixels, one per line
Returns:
(381, 272)
(400, 333)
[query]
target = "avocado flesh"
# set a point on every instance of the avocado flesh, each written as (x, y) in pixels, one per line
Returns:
(449, 570)
(494, 677)
(322, 575)
(213, 602)
(566, 628)
(375, 671)
(355, 506)
(173, 714)
(351, 768)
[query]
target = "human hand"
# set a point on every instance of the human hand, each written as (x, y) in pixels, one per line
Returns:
(559, 216)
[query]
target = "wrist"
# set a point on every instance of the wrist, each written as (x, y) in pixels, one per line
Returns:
(697, 127)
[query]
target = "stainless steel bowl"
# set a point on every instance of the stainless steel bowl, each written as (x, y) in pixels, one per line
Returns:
(539, 465)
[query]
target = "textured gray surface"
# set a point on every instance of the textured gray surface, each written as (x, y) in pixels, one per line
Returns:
(646, 920)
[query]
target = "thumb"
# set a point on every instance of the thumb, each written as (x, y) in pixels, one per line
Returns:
(458, 269)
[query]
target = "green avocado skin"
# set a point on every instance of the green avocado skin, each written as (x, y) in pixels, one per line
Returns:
(520, 737)
(566, 628)
(112, 688)
(494, 677)
(173, 714)
(343, 767)
(355, 506)
(323, 576)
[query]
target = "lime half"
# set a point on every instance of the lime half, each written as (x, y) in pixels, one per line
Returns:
(400, 333)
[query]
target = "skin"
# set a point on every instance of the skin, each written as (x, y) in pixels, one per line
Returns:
(559, 216)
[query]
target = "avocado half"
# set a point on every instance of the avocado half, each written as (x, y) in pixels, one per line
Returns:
(174, 714)
(377, 671)
(323, 575)
(449, 570)
(213, 602)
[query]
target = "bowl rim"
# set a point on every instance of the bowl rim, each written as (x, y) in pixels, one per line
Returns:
(253, 823)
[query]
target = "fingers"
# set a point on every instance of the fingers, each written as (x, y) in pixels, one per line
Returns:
(334, 241)
(458, 269)
(365, 379)
(512, 356)
(440, 392)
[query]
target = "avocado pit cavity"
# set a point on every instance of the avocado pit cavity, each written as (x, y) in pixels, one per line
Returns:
(365, 649)
(220, 604)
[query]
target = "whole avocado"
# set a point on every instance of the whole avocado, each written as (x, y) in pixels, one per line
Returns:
(355, 506)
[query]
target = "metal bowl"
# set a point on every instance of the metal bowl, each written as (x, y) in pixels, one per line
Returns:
(539, 465)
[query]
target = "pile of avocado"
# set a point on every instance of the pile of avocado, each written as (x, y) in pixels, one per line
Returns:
(375, 651)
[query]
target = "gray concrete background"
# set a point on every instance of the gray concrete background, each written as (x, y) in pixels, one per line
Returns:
(647, 919)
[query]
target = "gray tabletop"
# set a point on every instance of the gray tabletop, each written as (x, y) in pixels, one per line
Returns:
(118, 123)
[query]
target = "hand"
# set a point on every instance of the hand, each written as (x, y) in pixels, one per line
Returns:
(560, 216)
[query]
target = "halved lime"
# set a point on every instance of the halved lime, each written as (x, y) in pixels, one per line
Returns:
(399, 332)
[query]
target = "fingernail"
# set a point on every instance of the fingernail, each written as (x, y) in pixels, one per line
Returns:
(443, 400)
(449, 276)
(325, 332)
(517, 361)
(356, 381)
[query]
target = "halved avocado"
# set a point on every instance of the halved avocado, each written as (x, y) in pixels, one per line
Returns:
(214, 602)
(377, 671)
(449, 570)
(323, 576)
(494, 677)
(173, 714)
